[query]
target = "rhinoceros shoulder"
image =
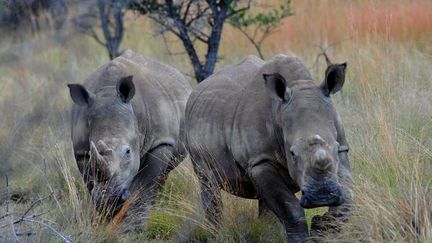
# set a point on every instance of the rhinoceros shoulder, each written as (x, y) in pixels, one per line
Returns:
(224, 86)
(290, 67)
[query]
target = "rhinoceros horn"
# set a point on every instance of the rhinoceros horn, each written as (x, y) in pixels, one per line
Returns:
(103, 149)
(98, 162)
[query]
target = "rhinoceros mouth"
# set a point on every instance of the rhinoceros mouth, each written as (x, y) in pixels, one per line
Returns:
(106, 200)
(321, 195)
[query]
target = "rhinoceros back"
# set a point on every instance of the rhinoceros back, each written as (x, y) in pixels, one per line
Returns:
(230, 112)
(212, 105)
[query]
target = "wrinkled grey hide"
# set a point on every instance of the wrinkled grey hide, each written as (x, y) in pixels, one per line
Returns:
(127, 128)
(265, 130)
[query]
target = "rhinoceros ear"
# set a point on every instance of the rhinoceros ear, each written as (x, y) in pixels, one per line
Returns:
(276, 85)
(126, 88)
(334, 78)
(80, 95)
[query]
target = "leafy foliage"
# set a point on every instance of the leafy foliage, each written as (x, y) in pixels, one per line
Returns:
(258, 26)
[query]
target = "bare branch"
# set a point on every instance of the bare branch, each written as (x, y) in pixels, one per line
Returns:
(324, 53)
(253, 42)
(186, 12)
(5, 215)
(93, 34)
(170, 53)
(241, 9)
(20, 220)
(165, 27)
(7, 208)
(7, 194)
(199, 15)
(34, 204)
(325, 49)
(56, 232)
(198, 34)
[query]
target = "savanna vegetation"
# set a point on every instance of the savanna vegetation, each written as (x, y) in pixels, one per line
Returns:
(386, 106)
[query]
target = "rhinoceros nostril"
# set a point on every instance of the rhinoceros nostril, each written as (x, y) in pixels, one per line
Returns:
(323, 165)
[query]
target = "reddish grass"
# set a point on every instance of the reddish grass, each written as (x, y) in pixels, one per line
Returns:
(332, 21)
(120, 215)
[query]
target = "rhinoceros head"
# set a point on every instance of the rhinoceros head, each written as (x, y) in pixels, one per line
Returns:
(308, 121)
(113, 140)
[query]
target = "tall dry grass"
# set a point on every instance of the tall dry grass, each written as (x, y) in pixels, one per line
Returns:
(385, 105)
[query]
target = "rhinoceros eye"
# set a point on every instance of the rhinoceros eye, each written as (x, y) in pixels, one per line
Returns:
(126, 152)
(292, 154)
(293, 151)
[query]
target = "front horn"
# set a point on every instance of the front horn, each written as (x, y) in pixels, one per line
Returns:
(98, 163)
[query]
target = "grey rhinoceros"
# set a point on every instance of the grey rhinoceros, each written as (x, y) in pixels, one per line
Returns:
(127, 130)
(264, 130)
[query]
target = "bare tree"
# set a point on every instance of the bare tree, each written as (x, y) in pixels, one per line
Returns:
(194, 22)
(256, 27)
(110, 17)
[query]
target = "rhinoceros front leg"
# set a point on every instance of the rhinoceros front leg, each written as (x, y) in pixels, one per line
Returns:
(146, 184)
(210, 193)
(262, 208)
(276, 195)
(336, 216)
(211, 199)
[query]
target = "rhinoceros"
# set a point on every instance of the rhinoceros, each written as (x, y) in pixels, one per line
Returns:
(127, 129)
(264, 130)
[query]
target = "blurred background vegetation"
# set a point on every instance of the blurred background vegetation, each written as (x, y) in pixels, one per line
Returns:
(386, 106)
